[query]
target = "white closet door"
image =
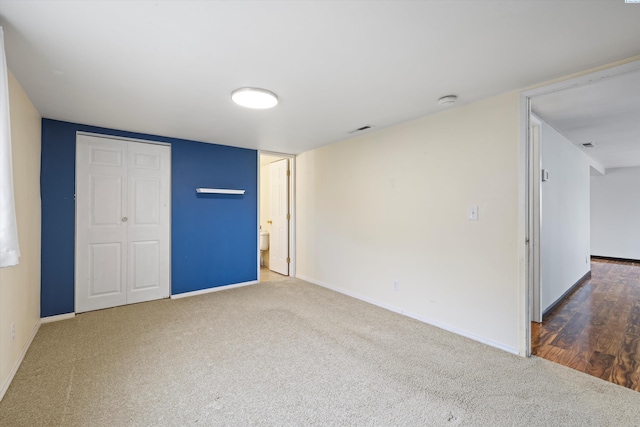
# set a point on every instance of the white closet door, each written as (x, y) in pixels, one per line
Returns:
(122, 222)
(101, 233)
(148, 222)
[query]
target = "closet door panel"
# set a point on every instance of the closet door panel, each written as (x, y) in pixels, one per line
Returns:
(101, 227)
(149, 206)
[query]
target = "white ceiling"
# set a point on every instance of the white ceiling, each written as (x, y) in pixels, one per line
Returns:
(168, 67)
(606, 113)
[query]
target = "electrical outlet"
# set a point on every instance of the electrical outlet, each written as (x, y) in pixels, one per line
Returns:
(13, 331)
(396, 286)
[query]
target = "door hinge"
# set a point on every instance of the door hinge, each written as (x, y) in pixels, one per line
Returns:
(288, 173)
(288, 216)
(288, 260)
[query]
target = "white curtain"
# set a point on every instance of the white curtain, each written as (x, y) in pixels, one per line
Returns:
(9, 250)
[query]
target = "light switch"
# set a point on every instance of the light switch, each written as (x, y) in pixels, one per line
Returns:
(473, 213)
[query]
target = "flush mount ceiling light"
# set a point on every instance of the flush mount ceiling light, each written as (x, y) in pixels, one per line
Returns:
(253, 97)
(447, 100)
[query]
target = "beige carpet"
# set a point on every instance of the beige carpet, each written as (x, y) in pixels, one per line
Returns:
(289, 353)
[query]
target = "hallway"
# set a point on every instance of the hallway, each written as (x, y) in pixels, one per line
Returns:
(597, 328)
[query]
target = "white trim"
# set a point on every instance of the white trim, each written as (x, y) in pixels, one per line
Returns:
(535, 222)
(292, 221)
(16, 365)
(216, 289)
(275, 154)
(524, 229)
(415, 316)
(170, 213)
(58, 317)
(258, 214)
(583, 80)
(121, 138)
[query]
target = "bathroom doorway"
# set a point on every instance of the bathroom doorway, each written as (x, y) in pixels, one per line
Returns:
(276, 216)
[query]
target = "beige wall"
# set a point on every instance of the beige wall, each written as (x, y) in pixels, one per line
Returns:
(20, 285)
(392, 205)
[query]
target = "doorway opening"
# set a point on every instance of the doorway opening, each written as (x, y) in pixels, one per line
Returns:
(581, 312)
(276, 255)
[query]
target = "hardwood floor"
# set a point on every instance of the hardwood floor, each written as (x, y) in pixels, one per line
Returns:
(596, 329)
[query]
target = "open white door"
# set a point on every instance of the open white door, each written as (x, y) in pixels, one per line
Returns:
(122, 222)
(279, 208)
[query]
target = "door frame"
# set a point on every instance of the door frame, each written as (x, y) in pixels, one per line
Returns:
(535, 147)
(526, 189)
(75, 203)
(292, 210)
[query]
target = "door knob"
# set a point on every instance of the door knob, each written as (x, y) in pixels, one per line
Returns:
(124, 219)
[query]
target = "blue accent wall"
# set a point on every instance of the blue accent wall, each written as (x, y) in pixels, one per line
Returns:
(213, 237)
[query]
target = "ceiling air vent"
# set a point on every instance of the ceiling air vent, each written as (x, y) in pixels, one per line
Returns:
(360, 129)
(588, 145)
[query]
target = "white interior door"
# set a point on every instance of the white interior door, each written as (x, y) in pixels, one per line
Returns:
(122, 222)
(148, 222)
(101, 235)
(279, 208)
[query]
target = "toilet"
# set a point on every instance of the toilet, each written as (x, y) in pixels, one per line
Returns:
(264, 245)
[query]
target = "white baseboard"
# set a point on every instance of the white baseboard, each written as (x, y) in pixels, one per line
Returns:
(216, 289)
(423, 319)
(12, 373)
(58, 317)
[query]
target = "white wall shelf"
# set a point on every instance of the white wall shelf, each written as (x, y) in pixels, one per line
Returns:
(218, 191)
